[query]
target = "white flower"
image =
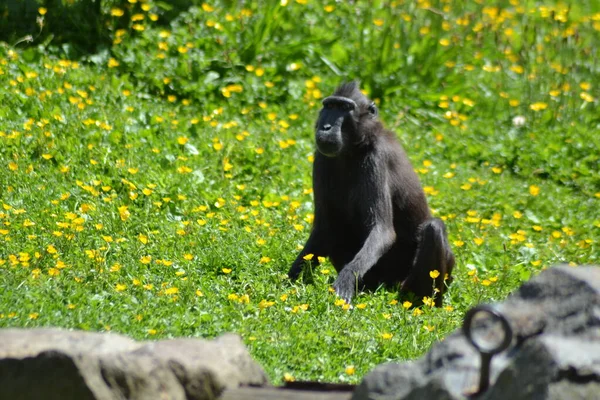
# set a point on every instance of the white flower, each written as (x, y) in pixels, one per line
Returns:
(519, 120)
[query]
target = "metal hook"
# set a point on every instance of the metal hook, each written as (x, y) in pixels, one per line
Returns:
(490, 333)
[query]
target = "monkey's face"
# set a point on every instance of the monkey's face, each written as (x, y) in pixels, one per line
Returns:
(337, 121)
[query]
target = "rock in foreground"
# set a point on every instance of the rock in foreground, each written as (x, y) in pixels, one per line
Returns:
(57, 364)
(555, 354)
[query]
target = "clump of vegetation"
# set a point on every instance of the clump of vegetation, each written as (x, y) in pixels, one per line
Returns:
(161, 187)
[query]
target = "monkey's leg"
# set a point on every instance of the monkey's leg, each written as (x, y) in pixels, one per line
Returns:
(433, 254)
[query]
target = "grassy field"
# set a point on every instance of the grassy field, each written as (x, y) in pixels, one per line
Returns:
(161, 187)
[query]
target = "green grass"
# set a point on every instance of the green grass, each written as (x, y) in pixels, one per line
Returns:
(161, 187)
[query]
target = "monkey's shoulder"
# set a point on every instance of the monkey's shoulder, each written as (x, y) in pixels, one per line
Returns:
(387, 149)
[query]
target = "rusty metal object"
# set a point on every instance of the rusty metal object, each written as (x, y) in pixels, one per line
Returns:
(490, 333)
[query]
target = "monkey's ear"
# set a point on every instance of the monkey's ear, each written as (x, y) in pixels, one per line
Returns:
(373, 109)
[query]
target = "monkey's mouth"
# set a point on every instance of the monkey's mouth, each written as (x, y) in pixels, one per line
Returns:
(328, 143)
(329, 149)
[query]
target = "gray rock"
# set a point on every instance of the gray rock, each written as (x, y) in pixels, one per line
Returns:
(58, 364)
(555, 318)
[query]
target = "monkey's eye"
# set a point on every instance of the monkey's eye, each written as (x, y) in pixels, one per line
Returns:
(373, 109)
(328, 106)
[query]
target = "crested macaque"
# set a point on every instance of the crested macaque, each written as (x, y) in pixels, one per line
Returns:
(371, 215)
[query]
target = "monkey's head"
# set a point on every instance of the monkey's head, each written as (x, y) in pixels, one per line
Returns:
(343, 120)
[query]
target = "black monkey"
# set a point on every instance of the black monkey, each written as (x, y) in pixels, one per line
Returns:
(371, 216)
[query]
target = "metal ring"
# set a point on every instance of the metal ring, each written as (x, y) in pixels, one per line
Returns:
(508, 334)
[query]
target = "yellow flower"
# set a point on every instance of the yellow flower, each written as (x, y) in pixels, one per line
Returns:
(517, 69)
(115, 268)
(226, 270)
(119, 287)
(146, 259)
(124, 213)
(308, 257)
(112, 63)
(407, 305)
(587, 97)
(350, 370)
(265, 304)
(232, 296)
(264, 260)
(534, 190)
(172, 290)
(387, 336)
(538, 106)
(116, 12)
(434, 274)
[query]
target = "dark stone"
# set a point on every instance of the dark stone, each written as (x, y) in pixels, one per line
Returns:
(555, 318)
(57, 364)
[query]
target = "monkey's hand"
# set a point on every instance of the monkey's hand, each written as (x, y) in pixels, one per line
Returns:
(345, 284)
(294, 271)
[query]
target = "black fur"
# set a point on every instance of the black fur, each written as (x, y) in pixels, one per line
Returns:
(371, 215)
